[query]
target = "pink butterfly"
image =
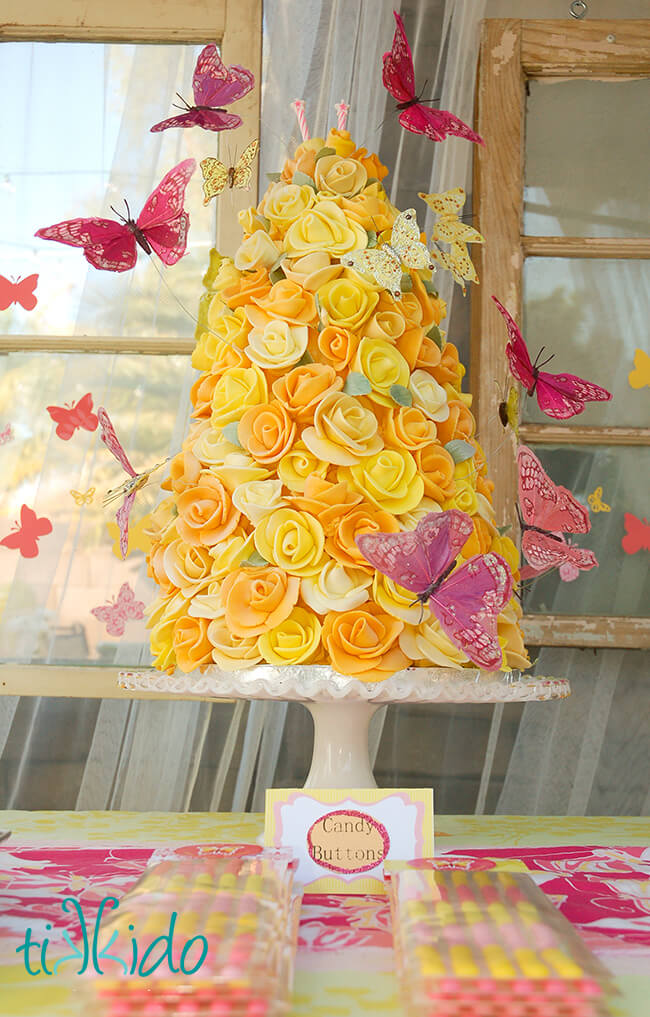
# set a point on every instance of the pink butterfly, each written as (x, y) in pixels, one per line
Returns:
(559, 395)
(6, 435)
(119, 610)
(19, 292)
(130, 487)
(548, 510)
(637, 534)
(399, 78)
(25, 534)
(465, 602)
(70, 418)
(162, 226)
(213, 85)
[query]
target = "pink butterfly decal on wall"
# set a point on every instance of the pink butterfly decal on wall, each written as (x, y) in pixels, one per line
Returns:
(547, 511)
(466, 601)
(6, 435)
(19, 291)
(71, 418)
(24, 536)
(558, 395)
(214, 85)
(637, 534)
(119, 611)
(162, 226)
(130, 487)
(398, 76)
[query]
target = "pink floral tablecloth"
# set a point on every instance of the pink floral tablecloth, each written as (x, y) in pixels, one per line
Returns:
(345, 962)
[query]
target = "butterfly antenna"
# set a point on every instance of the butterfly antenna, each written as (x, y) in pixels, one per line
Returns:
(128, 210)
(548, 360)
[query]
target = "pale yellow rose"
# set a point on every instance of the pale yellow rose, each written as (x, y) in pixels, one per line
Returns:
(256, 250)
(383, 366)
(324, 228)
(277, 344)
(164, 608)
(238, 468)
(311, 270)
(428, 395)
(297, 465)
(229, 329)
(257, 498)
(160, 520)
(427, 641)
(250, 220)
(294, 541)
(464, 499)
(409, 520)
(283, 203)
(162, 623)
(226, 275)
(511, 637)
(211, 448)
(335, 588)
(228, 554)
(293, 641)
(485, 509)
(188, 566)
(340, 176)
(395, 600)
(207, 604)
(231, 652)
(236, 390)
(347, 302)
(508, 550)
(344, 431)
(389, 479)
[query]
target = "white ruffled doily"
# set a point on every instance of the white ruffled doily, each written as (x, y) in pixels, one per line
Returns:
(310, 683)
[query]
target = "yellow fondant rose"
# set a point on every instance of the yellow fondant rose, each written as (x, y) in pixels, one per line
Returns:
(464, 499)
(228, 554)
(341, 142)
(294, 541)
(277, 344)
(340, 176)
(188, 566)
(257, 498)
(297, 465)
(311, 270)
(395, 600)
(347, 302)
(257, 250)
(383, 366)
(293, 641)
(335, 588)
(237, 389)
(427, 641)
(324, 228)
(229, 330)
(409, 520)
(344, 431)
(231, 652)
(389, 479)
(428, 395)
(283, 203)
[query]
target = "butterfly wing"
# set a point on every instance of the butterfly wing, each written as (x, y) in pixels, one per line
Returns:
(71, 419)
(468, 604)
(106, 244)
(25, 538)
(436, 124)
(7, 292)
(544, 552)
(561, 396)
(208, 119)
(129, 606)
(405, 240)
(521, 365)
(446, 202)
(379, 262)
(25, 292)
(544, 503)
(215, 177)
(398, 74)
(637, 536)
(112, 442)
(215, 84)
(243, 172)
(640, 373)
(162, 220)
(122, 520)
(112, 617)
(450, 229)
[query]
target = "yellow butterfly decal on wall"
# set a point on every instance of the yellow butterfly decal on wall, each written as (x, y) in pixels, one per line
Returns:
(83, 498)
(139, 540)
(596, 504)
(384, 263)
(640, 374)
(450, 229)
(216, 175)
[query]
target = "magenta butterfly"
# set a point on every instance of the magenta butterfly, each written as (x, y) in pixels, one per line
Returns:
(467, 602)
(213, 85)
(19, 291)
(25, 535)
(71, 418)
(162, 226)
(130, 487)
(548, 510)
(559, 395)
(119, 610)
(399, 78)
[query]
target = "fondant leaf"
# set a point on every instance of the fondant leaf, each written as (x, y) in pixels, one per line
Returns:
(357, 384)
(372, 238)
(302, 178)
(321, 152)
(435, 334)
(406, 285)
(254, 561)
(460, 450)
(502, 530)
(229, 431)
(430, 288)
(306, 358)
(273, 177)
(401, 395)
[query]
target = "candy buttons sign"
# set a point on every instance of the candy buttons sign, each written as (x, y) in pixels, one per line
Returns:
(341, 837)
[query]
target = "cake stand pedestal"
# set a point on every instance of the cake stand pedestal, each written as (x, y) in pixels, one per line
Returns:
(342, 707)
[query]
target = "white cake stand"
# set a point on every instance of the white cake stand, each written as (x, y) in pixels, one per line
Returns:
(342, 707)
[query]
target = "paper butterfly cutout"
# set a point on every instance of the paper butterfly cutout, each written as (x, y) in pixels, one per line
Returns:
(25, 535)
(216, 174)
(467, 600)
(6, 435)
(71, 418)
(162, 226)
(119, 610)
(130, 487)
(509, 409)
(84, 498)
(449, 229)
(558, 395)
(213, 85)
(139, 539)
(20, 291)
(457, 261)
(398, 76)
(640, 373)
(548, 510)
(384, 263)
(637, 535)
(596, 504)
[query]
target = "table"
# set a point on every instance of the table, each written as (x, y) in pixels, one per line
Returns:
(597, 870)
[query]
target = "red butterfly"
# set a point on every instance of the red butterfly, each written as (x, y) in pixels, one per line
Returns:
(162, 225)
(559, 395)
(20, 291)
(548, 510)
(637, 535)
(399, 78)
(25, 534)
(70, 418)
(213, 85)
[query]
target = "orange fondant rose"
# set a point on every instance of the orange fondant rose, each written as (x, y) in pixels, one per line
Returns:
(429, 355)
(191, 643)
(256, 599)
(370, 160)
(363, 518)
(364, 642)
(449, 371)
(480, 541)
(436, 467)
(184, 470)
(338, 346)
(251, 285)
(304, 160)
(201, 393)
(285, 300)
(326, 501)
(206, 513)
(267, 432)
(459, 424)
(302, 389)
(407, 427)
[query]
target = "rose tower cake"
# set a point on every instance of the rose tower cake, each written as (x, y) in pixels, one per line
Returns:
(329, 405)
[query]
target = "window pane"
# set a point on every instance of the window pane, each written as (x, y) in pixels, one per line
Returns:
(621, 583)
(45, 601)
(591, 314)
(587, 156)
(81, 143)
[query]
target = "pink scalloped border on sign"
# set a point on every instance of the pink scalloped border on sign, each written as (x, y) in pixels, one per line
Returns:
(379, 827)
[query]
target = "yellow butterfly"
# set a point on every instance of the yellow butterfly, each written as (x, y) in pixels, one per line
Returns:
(384, 263)
(83, 498)
(139, 540)
(596, 504)
(457, 261)
(216, 175)
(640, 374)
(509, 409)
(449, 229)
